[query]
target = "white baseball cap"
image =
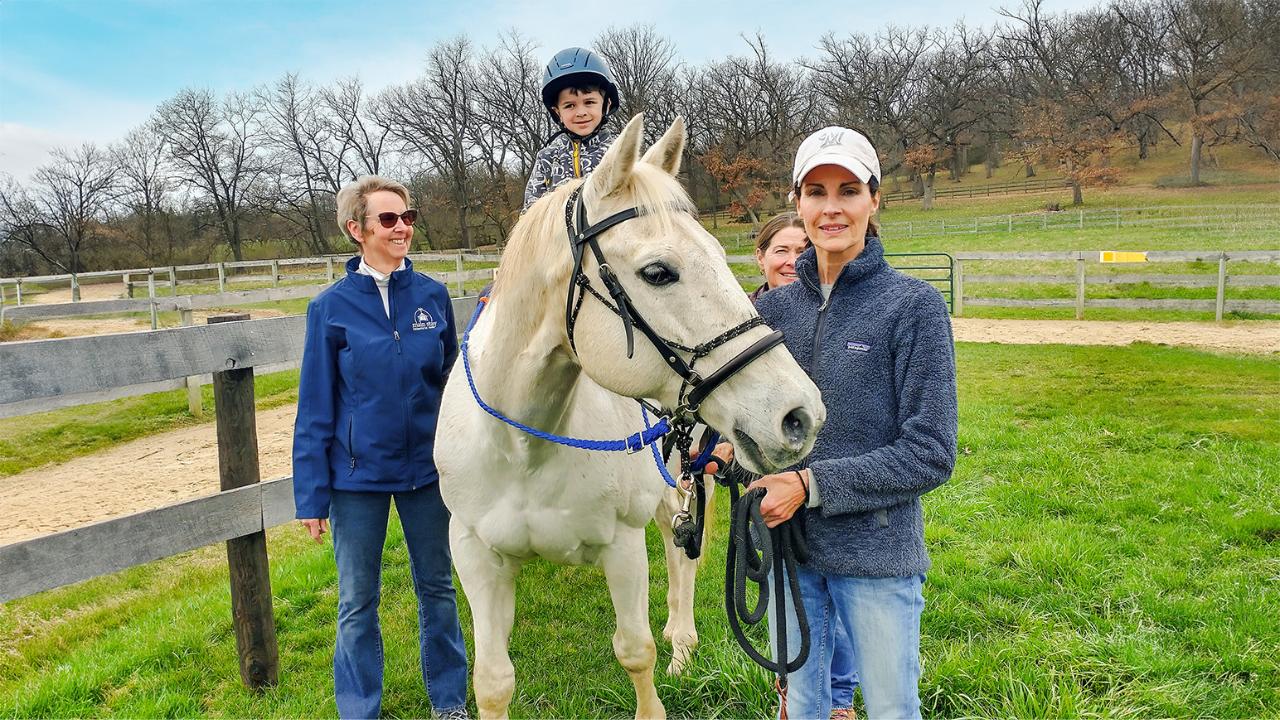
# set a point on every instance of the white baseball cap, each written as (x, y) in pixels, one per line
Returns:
(834, 145)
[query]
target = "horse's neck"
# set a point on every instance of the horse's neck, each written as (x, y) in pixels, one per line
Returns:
(524, 369)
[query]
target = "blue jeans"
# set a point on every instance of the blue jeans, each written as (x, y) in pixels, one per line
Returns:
(882, 618)
(844, 678)
(359, 522)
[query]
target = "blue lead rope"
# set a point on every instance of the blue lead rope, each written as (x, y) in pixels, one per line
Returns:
(632, 444)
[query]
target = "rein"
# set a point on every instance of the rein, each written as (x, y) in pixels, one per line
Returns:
(631, 444)
(757, 555)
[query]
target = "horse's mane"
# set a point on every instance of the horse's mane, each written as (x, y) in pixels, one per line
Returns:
(538, 249)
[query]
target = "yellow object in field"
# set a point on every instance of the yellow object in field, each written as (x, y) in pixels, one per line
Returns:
(1121, 256)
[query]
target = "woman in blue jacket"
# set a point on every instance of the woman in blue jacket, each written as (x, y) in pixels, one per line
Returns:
(379, 346)
(878, 345)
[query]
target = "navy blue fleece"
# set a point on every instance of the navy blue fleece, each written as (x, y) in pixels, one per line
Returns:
(881, 352)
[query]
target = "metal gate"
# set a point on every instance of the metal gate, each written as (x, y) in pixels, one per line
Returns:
(938, 269)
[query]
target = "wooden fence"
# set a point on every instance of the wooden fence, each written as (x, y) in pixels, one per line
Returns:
(224, 273)
(155, 304)
(984, 190)
(1235, 218)
(1081, 278)
(41, 374)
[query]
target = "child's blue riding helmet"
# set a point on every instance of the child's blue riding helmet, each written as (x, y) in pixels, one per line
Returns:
(576, 61)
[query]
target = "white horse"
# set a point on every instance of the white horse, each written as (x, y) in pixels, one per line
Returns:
(515, 497)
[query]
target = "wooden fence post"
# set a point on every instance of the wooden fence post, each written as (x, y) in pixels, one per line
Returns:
(128, 285)
(275, 273)
(1221, 300)
(151, 294)
(222, 277)
(251, 610)
(458, 265)
(957, 300)
(17, 286)
(1079, 286)
(328, 268)
(173, 280)
(194, 404)
(75, 288)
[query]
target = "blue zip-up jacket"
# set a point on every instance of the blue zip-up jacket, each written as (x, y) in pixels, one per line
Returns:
(881, 352)
(370, 388)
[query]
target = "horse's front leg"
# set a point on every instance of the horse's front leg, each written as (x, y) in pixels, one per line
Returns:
(626, 569)
(681, 576)
(489, 583)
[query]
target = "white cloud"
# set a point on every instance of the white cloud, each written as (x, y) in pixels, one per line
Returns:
(24, 148)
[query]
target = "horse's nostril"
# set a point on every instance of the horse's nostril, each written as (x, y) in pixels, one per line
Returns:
(795, 427)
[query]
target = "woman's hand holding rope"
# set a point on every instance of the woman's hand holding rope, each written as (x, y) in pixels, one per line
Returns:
(784, 494)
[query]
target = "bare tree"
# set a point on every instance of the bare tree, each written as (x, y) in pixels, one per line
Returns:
(308, 168)
(22, 227)
(216, 148)
(871, 83)
(1050, 59)
(757, 109)
(645, 69)
(1207, 48)
(509, 106)
(511, 126)
(955, 77)
(144, 187)
(362, 138)
(64, 212)
(435, 117)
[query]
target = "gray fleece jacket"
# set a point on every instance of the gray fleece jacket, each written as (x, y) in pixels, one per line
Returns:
(881, 352)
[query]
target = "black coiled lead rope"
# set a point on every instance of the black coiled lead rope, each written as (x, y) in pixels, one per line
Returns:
(758, 554)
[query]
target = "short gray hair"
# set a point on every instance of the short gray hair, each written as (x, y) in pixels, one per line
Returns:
(353, 198)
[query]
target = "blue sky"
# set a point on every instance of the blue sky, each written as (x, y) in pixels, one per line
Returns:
(74, 71)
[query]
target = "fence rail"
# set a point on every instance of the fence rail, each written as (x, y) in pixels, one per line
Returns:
(51, 561)
(55, 371)
(984, 190)
(169, 275)
(1235, 217)
(1081, 279)
(42, 375)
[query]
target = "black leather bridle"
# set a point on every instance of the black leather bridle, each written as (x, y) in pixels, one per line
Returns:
(695, 387)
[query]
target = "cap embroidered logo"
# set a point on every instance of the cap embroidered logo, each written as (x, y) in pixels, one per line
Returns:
(831, 139)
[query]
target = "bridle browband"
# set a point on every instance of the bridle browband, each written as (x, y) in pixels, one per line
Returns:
(582, 236)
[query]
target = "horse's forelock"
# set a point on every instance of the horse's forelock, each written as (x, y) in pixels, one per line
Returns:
(535, 239)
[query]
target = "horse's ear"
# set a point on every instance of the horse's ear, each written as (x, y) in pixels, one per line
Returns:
(615, 167)
(669, 150)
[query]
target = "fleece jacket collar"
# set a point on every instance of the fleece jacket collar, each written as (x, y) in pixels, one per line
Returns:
(869, 262)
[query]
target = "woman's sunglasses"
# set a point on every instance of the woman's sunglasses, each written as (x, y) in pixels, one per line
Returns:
(388, 219)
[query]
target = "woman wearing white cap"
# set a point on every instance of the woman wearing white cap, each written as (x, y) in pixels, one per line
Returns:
(878, 344)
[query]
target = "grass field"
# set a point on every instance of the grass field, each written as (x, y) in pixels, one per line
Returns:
(1107, 547)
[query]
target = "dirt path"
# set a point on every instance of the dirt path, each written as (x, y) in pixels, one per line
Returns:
(169, 467)
(97, 291)
(1250, 337)
(139, 475)
(76, 327)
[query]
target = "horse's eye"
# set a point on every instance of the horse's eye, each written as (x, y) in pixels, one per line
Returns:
(659, 274)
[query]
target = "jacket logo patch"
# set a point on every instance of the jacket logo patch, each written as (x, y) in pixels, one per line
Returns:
(858, 347)
(422, 320)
